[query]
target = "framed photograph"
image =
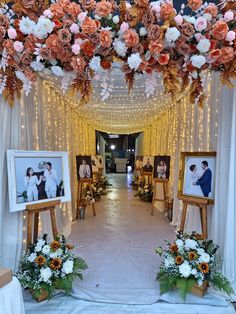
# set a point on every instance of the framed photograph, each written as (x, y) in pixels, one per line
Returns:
(138, 162)
(36, 177)
(197, 175)
(161, 167)
(84, 167)
(148, 163)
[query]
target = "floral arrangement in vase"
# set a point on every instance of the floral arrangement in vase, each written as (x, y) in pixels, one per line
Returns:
(190, 264)
(78, 41)
(145, 192)
(103, 182)
(48, 266)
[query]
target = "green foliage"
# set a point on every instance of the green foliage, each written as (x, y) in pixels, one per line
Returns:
(167, 282)
(184, 286)
(222, 283)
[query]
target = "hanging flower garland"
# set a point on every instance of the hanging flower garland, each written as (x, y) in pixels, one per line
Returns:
(77, 40)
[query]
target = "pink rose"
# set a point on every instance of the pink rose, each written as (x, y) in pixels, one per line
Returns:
(124, 27)
(74, 28)
(75, 49)
(79, 41)
(18, 46)
(81, 17)
(200, 24)
(178, 19)
(48, 13)
(12, 34)
(230, 36)
(228, 16)
(155, 7)
(198, 36)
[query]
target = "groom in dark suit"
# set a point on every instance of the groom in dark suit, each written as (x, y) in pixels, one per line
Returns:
(205, 180)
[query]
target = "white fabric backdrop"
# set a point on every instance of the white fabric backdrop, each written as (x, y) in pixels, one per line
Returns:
(41, 121)
(188, 128)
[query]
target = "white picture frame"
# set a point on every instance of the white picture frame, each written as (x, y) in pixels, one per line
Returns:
(18, 163)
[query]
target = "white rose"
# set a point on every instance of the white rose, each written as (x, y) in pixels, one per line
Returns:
(194, 272)
(179, 243)
(56, 70)
(46, 249)
(190, 19)
(45, 274)
(198, 61)
(53, 255)
(185, 269)
(67, 267)
(204, 45)
(120, 47)
(194, 74)
(134, 61)
(37, 66)
(190, 244)
(169, 261)
(95, 64)
(27, 26)
(172, 34)
(204, 258)
(116, 19)
(32, 257)
(200, 282)
(142, 31)
(200, 251)
(207, 16)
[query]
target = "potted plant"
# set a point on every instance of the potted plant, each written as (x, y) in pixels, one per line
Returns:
(190, 264)
(145, 192)
(48, 266)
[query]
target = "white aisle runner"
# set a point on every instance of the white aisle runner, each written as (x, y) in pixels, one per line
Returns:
(118, 245)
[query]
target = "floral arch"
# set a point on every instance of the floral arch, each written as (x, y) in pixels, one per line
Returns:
(79, 41)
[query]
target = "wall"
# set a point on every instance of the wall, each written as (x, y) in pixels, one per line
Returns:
(41, 121)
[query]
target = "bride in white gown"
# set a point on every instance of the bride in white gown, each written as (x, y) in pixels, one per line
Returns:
(190, 188)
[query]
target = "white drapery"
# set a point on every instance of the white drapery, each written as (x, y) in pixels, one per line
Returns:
(41, 121)
(188, 128)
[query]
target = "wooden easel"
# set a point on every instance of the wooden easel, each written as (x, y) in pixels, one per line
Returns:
(164, 200)
(201, 204)
(81, 182)
(95, 176)
(148, 175)
(34, 210)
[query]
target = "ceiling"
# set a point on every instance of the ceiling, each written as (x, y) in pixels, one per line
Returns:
(122, 112)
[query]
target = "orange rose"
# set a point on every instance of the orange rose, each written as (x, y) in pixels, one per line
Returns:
(2, 33)
(88, 48)
(52, 42)
(220, 30)
(154, 32)
(64, 52)
(8, 45)
(131, 38)
(187, 29)
(74, 9)
(163, 59)
(64, 3)
(194, 4)
(142, 3)
(166, 11)
(46, 53)
(64, 35)
(148, 18)
(182, 47)
(105, 38)
(215, 54)
(25, 59)
(57, 11)
(27, 3)
(89, 26)
(211, 9)
(227, 54)
(103, 8)
(105, 64)
(4, 21)
(88, 4)
(78, 64)
(155, 46)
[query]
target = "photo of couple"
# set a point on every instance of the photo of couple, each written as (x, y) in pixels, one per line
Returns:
(199, 176)
(38, 179)
(161, 167)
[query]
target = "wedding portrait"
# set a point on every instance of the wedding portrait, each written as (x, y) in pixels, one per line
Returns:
(199, 175)
(84, 167)
(148, 163)
(36, 178)
(161, 167)
(138, 162)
